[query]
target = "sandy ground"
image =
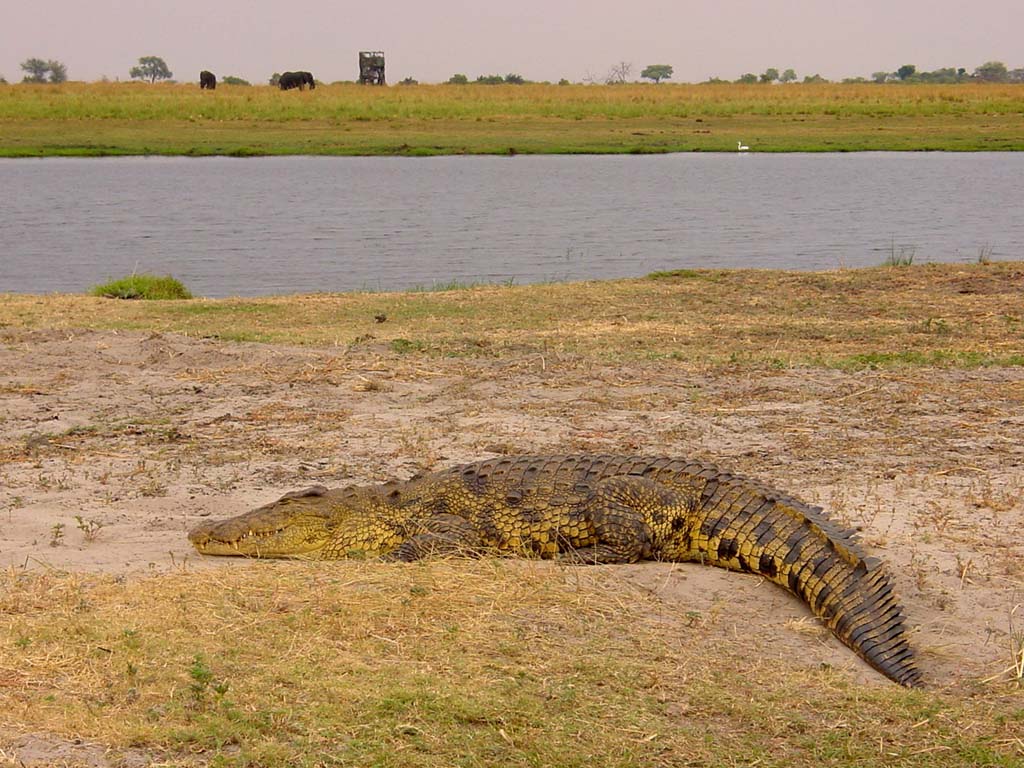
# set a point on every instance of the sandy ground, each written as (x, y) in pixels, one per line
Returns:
(112, 445)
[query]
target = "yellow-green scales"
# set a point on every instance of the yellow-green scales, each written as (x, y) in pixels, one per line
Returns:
(594, 509)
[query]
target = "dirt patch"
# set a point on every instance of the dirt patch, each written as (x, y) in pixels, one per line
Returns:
(36, 750)
(114, 444)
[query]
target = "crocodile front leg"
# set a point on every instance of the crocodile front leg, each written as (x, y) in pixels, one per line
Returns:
(439, 535)
(633, 518)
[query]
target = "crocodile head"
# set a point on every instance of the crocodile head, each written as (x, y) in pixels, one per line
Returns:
(298, 525)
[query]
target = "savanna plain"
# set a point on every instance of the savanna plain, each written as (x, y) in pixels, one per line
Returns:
(348, 119)
(891, 396)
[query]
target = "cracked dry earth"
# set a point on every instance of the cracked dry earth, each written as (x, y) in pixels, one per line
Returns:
(112, 445)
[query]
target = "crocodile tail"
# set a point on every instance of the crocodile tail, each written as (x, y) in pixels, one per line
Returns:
(745, 526)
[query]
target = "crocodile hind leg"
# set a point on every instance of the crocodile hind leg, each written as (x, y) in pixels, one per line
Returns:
(439, 535)
(631, 516)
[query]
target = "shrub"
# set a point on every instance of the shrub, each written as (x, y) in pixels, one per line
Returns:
(143, 287)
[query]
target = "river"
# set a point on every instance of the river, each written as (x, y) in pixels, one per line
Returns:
(258, 226)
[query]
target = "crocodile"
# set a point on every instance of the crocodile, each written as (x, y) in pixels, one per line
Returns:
(594, 509)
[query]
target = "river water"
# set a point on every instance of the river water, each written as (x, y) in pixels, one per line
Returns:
(258, 226)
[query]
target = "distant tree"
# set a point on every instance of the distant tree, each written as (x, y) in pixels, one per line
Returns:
(563, 81)
(3, 80)
(490, 80)
(770, 75)
(275, 79)
(513, 79)
(1014, 75)
(409, 81)
(458, 79)
(879, 77)
(232, 80)
(942, 75)
(992, 72)
(58, 71)
(150, 68)
(907, 70)
(788, 76)
(748, 78)
(815, 78)
(657, 72)
(35, 70)
(619, 73)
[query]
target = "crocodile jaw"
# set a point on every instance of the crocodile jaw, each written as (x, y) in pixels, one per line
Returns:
(300, 536)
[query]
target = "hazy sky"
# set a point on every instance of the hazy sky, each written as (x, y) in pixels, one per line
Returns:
(538, 39)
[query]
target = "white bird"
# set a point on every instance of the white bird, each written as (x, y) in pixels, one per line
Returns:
(741, 147)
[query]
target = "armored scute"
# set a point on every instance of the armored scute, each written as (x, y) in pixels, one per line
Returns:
(371, 67)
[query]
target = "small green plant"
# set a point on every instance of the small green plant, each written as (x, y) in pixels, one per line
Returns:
(936, 325)
(143, 286)
(202, 680)
(404, 346)
(900, 256)
(57, 534)
(90, 528)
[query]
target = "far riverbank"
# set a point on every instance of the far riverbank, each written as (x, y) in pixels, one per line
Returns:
(98, 119)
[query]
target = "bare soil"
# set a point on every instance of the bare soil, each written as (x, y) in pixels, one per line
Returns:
(112, 445)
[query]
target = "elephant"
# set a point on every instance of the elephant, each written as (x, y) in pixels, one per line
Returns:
(207, 80)
(300, 80)
(289, 80)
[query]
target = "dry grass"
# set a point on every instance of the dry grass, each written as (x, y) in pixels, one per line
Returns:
(441, 663)
(342, 102)
(961, 315)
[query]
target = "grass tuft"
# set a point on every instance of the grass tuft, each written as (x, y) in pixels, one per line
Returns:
(1016, 647)
(900, 256)
(150, 287)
